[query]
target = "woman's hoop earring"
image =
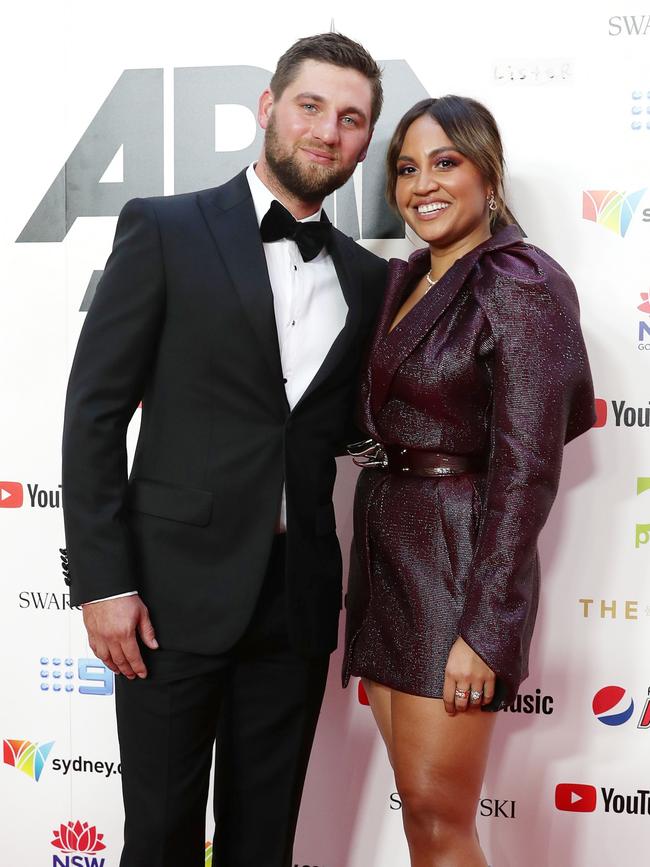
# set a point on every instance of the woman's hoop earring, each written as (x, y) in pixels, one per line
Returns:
(492, 202)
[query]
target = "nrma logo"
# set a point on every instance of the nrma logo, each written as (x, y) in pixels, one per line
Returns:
(27, 757)
(80, 838)
(644, 327)
(612, 210)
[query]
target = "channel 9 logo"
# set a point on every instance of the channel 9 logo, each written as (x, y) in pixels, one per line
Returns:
(86, 676)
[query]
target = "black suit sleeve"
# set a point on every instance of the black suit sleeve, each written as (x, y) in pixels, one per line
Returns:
(374, 275)
(113, 358)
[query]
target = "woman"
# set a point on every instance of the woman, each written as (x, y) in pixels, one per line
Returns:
(476, 378)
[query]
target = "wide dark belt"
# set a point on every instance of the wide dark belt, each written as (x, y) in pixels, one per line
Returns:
(414, 462)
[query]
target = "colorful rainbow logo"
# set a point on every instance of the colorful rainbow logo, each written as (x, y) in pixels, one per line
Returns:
(610, 209)
(27, 757)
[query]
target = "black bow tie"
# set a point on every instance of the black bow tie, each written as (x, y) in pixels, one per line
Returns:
(310, 237)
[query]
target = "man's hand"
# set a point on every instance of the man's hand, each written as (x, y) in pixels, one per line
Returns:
(112, 627)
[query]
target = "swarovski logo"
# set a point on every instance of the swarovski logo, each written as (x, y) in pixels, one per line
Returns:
(629, 25)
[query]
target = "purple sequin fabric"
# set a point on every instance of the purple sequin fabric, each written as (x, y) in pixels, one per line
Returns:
(491, 363)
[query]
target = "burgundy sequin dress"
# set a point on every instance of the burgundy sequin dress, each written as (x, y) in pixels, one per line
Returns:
(491, 363)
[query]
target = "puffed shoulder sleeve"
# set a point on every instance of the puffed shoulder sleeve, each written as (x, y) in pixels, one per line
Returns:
(542, 396)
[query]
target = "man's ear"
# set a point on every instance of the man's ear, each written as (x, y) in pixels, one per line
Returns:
(364, 152)
(264, 108)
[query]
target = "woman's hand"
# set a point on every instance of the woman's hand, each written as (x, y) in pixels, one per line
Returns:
(469, 682)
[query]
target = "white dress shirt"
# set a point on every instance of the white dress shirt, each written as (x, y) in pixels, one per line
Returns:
(309, 306)
(310, 311)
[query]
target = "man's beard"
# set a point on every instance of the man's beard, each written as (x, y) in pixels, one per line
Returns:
(310, 183)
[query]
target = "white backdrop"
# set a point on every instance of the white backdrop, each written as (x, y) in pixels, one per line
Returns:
(570, 87)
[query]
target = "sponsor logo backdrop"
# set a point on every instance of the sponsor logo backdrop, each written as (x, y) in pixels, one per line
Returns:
(103, 102)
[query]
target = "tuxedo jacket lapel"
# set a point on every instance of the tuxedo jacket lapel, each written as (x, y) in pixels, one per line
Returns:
(230, 216)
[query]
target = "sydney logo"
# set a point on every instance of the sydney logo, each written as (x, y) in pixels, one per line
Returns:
(610, 209)
(27, 757)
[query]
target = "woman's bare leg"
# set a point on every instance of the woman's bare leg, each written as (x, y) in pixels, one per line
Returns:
(379, 697)
(439, 763)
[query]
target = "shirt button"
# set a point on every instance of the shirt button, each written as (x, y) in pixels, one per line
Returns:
(293, 322)
(295, 267)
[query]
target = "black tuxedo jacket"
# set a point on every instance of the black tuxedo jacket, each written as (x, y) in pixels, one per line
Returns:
(183, 319)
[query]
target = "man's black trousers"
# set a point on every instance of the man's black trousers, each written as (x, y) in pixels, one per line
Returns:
(260, 702)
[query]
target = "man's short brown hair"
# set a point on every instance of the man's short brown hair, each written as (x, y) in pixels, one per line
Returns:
(334, 48)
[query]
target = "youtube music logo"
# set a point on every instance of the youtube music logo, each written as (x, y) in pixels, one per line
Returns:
(575, 797)
(11, 495)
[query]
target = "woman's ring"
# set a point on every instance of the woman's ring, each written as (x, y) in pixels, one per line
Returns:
(462, 693)
(475, 695)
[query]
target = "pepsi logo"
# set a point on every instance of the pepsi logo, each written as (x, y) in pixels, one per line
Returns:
(611, 707)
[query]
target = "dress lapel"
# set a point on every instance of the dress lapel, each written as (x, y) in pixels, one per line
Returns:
(421, 319)
(399, 273)
(230, 215)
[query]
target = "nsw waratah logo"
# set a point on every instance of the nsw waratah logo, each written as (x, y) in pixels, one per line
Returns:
(78, 837)
(27, 757)
(611, 707)
(610, 209)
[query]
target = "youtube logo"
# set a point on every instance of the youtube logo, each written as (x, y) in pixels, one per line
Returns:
(601, 412)
(575, 797)
(11, 495)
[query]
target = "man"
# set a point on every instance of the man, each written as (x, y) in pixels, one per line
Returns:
(211, 578)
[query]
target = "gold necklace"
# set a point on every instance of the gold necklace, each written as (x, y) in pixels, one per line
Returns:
(431, 282)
